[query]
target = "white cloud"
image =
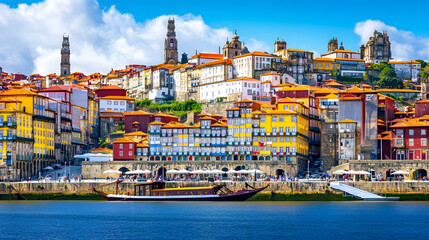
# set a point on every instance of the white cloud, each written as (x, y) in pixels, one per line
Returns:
(100, 39)
(405, 45)
(256, 45)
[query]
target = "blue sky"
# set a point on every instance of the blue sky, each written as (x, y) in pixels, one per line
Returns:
(303, 24)
(306, 25)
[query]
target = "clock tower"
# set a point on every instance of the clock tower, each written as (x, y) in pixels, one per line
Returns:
(65, 57)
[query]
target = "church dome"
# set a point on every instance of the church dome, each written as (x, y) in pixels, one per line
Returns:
(244, 49)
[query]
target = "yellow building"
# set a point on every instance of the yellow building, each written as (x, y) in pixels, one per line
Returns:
(41, 128)
(325, 64)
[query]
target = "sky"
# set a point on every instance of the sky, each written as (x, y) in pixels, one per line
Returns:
(108, 34)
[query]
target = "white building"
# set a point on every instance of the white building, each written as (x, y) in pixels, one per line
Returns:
(216, 71)
(116, 103)
(245, 65)
(407, 70)
(233, 89)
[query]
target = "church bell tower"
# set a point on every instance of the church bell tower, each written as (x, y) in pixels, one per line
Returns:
(171, 55)
(65, 57)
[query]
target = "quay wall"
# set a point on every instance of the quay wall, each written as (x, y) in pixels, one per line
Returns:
(276, 187)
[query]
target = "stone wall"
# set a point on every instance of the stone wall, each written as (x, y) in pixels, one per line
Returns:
(277, 187)
(216, 108)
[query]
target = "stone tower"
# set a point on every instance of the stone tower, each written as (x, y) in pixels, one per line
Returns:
(171, 55)
(377, 49)
(332, 45)
(65, 57)
(233, 48)
(279, 45)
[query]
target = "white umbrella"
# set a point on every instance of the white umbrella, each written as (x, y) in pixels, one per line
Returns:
(183, 171)
(215, 171)
(352, 172)
(400, 172)
(232, 171)
(253, 171)
(138, 172)
(363, 173)
(49, 168)
(339, 172)
(172, 171)
(112, 172)
(243, 171)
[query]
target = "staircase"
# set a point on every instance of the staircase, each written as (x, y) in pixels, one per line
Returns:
(359, 193)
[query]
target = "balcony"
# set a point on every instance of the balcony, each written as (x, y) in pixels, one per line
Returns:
(256, 133)
(44, 118)
(8, 124)
(5, 138)
(314, 129)
(314, 142)
(27, 139)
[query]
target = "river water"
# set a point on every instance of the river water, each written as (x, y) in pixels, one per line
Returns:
(244, 220)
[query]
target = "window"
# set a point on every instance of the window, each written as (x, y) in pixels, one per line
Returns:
(411, 132)
(424, 142)
(109, 102)
(121, 146)
(281, 119)
(423, 132)
(293, 119)
(411, 142)
(399, 132)
(131, 145)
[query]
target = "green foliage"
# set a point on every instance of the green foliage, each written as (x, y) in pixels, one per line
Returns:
(387, 72)
(120, 127)
(401, 98)
(424, 72)
(381, 66)
(366, 77)
(334, 72)
(102, 142)
(220, 99)
(390, 83)
(143, 103)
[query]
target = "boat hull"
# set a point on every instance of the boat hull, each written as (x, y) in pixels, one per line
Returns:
(241, 195)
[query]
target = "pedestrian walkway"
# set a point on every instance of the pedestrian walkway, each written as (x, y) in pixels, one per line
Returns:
(367, 196)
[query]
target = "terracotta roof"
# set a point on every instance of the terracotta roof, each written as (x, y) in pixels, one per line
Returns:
(398, 90)
(160, 114)
(347, 121)
(343, 51)
(20, 91)
(242, 79)
(116, 97)
(156, 123)
(110, 87)
(245, 101)
(349, 59)
(231, 109)
(411, 123)
(255, 54)
(207, 55)
(329, 96)
(124, 140)
(54, 89)
(270, 73)
(328, 90)
(222, 61)
(109, 111)
(349, 97)
(295, 88)
(135, 122)
(175, 125)
(138, 133)
(334, 84)
(322, 59)
(8, 99)
(138, 112)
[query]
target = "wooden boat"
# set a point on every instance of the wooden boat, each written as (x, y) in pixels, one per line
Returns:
(156, 191)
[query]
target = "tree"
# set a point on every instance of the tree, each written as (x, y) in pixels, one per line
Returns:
(387, 72)
(389, 82)
(424, 73)
(380, 66)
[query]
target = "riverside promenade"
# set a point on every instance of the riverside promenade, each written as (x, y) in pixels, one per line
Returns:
(300, 187)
